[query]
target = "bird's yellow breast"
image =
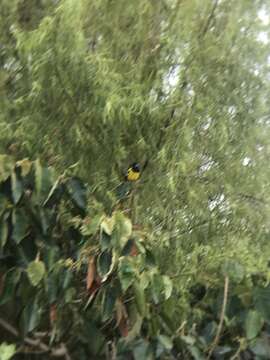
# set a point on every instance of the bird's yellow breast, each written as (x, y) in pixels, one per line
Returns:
(132, 175)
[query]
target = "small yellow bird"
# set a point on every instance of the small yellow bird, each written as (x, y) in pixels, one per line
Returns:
(133, 172)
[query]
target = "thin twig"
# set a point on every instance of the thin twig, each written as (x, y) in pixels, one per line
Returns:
(210, 18)
(221, 320)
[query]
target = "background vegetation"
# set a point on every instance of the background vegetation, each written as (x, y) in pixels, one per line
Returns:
(179, 269)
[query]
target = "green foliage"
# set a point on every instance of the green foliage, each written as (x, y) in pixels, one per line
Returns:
(7, 351)
(92, 86)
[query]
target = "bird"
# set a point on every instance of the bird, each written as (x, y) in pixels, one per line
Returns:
(133, 172)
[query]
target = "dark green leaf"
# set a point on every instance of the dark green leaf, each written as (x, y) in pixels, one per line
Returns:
(77, 191)
(3, 232)
(127, 273)
(104, 263)
(157, 288)
(139, 298)
(16, 187)
(20, 225)
(165, 341)
(141, 350)
(109, 299)
(11, 280)
(30, 316)
(42, 182)
(105, 241)
(253, 324)
(261, 298)
(261, 348)
(55, 194)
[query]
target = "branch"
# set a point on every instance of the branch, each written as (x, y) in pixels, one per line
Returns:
(210, 18)
(221, 320)
(60, 351)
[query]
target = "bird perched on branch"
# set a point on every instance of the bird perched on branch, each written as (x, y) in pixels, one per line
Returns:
(133, 172)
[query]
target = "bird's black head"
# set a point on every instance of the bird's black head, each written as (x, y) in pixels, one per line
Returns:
(135, 167)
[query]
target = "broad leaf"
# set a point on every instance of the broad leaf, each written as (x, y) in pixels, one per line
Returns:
(7, 351)
(104, 263)
(139, 298)
(16, 187)
(253, 324)
(261, 298)
(122, 230)
(3, 233)
(25, 165)
(31, 316)
(42, 181)
(77, 191)
(168, 286)
(36, 272)
(126, 272)
(20, 225)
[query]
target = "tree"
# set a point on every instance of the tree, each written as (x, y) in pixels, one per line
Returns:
(181, 85)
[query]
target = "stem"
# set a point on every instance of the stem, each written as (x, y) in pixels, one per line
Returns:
(221, 320)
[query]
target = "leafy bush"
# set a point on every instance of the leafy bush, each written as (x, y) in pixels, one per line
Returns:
(74, 280)
(73, 276)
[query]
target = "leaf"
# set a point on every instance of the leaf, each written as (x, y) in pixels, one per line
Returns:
(55, 194)
(261, 298)
(122, 230)
(157, 288)
(16, 187)
(77, 192)
(7, 351)
(31, 316)
(126, 272)
(105, 241)
(107, 225)
(42, 181)
(253, 324)
(127, 248)
(3, 233)
(35, 272)
(165, 341)
(141, 350)
(91, 271)
(261, 348)
(90, 225)
(19, 225)
(135, 330)
(139, 298)
(104, 263)
(168, 286)
(108, 302)
(6, 167)
(25, 165)
(11, 279)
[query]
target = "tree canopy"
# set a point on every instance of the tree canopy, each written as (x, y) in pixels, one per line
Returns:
(181, 87)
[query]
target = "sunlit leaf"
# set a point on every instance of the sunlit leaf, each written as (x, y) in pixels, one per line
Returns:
(36, 272)
(7, 351)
